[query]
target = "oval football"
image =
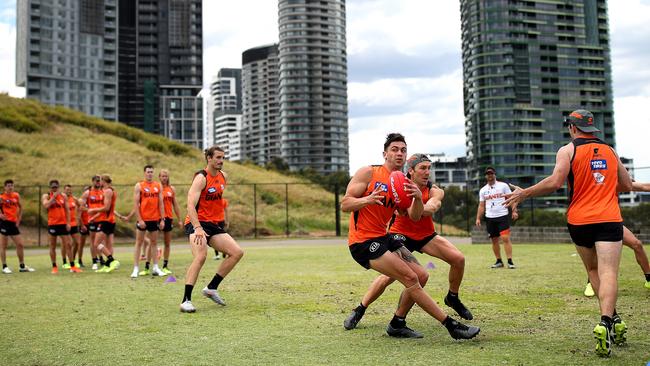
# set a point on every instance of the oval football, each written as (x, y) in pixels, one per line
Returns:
(397, 180)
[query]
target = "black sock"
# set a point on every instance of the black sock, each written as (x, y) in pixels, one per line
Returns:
(509, 260)
(109, 260)
(22, 265)
(216, 280)
(398, 322)
(65, 261)
(95, 260)
(588, 280)
(449, 323)
(165, 262)
(188, 292)
(499, 260)
(647, 277)
(361, 309)
(146, 265)
(607, 320)
(4, 266)
(81, 263)
(53, 264)
(452, 296)
(101, 260)
(71, 263)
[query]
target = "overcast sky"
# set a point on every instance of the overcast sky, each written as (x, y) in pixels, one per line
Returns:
(404, 69)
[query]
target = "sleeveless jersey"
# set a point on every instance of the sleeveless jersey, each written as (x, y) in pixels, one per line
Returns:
(95, 198)
(84, 217)
(56, 212)
(149, 210)
(416, 230)
(168, 200)
(592, 183)
(110, 215)
(72, 206)
(372, 221)
(210, 206)
(9, 204)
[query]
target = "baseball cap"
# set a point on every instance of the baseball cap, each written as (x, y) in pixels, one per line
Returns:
(582, 119)
(490, 170)
(416, 159)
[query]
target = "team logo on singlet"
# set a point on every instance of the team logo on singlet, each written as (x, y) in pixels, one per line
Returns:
(212, 190)
(599, 178)
(374, 246)
(600, 164)
(384, 187)
(146, 189)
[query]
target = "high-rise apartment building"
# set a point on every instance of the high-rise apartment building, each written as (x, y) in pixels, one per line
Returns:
(526, 65)
(313, 85)
(260, 132)
(66, 54)
(226, 111)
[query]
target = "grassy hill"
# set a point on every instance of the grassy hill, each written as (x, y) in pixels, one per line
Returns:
(39, 143)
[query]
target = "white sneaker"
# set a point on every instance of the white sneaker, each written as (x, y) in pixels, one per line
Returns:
(134, 274)
(94, 267)
(26, 269)
(157, 272)
(6, 270)
(213, 295)
(187, 307)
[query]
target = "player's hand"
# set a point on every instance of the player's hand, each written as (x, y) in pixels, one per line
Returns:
(199, 236)
(83, 228)
(226, 225)
(478, 223)
(140, 224)
(375, 197)
(161, 224)
(18, 223)
(2, 216)
(412, 190)
(515, 215)
(67, 227)
(180, 224)
(515, 198)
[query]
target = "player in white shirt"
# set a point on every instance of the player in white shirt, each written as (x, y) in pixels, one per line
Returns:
(497, 216)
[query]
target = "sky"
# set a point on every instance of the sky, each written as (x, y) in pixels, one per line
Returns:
(404, 69)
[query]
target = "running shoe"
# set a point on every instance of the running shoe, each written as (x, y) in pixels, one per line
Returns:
(55, 270)
(27, 269)
(213, 295)
(6, 270)
(157, 272)
(145, 272)
(66, 266)
(404, 332)
(134, 274)
(458, 307)
(458, 330)
(603, 340)
(352, 320)
(113, 266)
(497, 264)
(619, 330)
(167, 271)
(94, 267)
(75, 269)
(647, 285)
(589, 291)
(101, 269)
(511, 266)
(187, 307)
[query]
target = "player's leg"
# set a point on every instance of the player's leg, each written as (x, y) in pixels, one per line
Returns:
(199, 253)
(75, 243)
(20, 252)
(507, 245)
(3, 254)
(497, 252)
(227, 245)
(64, 255)
(139, 240)
(153, 253)
(397, 326)
(52, 244)
(167, 240)
(80, 248)
(639, 253)
(376, 289)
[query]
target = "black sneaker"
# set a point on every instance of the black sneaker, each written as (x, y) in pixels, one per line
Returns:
(458, 306)
(351, 321)
(459, 330)
(404, 332)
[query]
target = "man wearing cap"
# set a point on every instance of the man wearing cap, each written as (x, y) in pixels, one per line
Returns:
(419, 236)
(595, 175)
(497, 216)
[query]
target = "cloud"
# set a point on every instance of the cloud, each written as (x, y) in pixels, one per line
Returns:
(8, 61)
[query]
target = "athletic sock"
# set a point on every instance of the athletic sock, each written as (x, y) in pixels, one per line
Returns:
(95, 260)
(510, 261)
(607, 320)
(449, 323)
(647, 277)
(81, 263)
(499, 260)
(4, 266)
(71, 263)
(216, 280)
(65, 261)
(53, 264)
(165, 262)
(22, 265)
(360, 309)
(398, 322)
(188, 292)
(452, 296)
(109, 260)
(146, 266)
(101, 260)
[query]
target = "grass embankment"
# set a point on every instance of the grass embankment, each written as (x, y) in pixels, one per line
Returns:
(286, 306)
(40, 143)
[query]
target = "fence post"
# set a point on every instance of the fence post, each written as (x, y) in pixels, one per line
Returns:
(532, 212)
(286, 205)
(337, 213)
(39, 214)
(255, 210)
(467, 208)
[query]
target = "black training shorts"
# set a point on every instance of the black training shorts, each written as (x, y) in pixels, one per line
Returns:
(150, 226)
(92, 227)
(371, 249)
(411, 244)
(587, 235)
(74, 230)
(498, 226)
(211, 229)
(169, 224)
(106, 227)
(8, 228)
(57, 230)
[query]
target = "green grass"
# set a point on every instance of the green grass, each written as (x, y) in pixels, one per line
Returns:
(286, 306)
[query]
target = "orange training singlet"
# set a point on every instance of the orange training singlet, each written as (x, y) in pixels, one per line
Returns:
(168, 200)
(416, 230)
(149, 210)
(72, 206)
(110, 215)
(9, 203)
(95, 198)
(84, 217)
(56, 212)
(592, 183)
(210, 206)
(371, 221)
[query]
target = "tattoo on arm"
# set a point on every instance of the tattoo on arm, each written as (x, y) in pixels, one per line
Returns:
(407, 255)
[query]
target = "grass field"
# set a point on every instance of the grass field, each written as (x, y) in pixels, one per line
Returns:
(287, 303)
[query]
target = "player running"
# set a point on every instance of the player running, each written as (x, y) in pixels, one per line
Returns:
(149, 211)
(204, 212)
(595, 174)
(371, 208)
(420, 236)
(169, 200)
(497, 216)
(11, 213)
(58, 224)
(105, 218)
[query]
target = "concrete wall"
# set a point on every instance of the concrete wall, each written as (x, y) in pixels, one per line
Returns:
(530, 234)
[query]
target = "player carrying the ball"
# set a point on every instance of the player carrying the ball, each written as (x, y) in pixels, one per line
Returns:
(371, 205)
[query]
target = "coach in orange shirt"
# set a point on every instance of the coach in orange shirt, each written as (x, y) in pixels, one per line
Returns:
(595, 174)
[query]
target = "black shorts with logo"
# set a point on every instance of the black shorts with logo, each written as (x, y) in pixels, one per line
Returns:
(57, 230)
(411, 244)
(84, 232)
(148, 226)
(106, 227)
(92, 227)
(365, 251)
(8, 228)
(169, 224)
(496, 225)
(211, 229)
(587, 235)
(74, 230)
